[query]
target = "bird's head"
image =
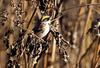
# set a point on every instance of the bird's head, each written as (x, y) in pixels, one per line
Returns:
(46, 19)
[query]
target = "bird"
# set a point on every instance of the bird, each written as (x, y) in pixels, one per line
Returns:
(42, 27)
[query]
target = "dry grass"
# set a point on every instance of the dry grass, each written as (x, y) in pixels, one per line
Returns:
(72, 18)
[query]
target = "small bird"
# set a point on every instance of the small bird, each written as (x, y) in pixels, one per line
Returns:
(42, 27)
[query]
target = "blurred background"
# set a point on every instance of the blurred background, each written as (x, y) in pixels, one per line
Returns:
(77, 17)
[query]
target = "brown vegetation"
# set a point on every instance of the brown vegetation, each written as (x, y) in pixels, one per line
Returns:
(72, 18)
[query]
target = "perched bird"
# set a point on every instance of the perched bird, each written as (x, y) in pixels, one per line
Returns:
(42, 27)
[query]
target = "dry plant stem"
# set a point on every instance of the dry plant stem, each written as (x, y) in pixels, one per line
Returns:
(83, 5)
(80, 17)
(11, 36)
(1, 2)
(53, 52)
(96, 56)
(25, 56)
(30, 13)
(89, 19)
(39, 12)
(86, 40)
(46, 59)
(54, 43)
(3, 58)
(89, 49)
(32, 17)
(98, 61)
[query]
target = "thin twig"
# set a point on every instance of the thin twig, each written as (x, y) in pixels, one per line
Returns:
(96, 55)
(83, 5)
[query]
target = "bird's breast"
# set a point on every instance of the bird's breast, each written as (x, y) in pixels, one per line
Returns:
(45, 31)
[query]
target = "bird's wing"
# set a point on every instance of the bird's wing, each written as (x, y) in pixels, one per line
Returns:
(38, 28)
